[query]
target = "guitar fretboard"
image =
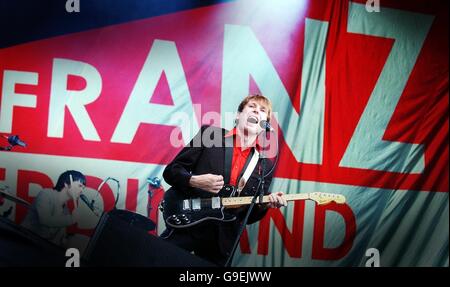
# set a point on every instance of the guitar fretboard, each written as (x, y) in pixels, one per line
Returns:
(245, 200)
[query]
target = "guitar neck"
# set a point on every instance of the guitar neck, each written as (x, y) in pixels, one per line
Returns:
(232, 202)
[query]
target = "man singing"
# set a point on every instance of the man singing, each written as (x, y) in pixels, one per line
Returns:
(201, 170)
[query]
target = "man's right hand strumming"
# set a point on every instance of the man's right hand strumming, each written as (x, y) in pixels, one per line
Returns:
(209, 182)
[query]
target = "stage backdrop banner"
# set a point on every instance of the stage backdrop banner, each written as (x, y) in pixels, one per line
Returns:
(359, 92)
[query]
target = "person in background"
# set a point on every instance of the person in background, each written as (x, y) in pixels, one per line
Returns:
(49, 214)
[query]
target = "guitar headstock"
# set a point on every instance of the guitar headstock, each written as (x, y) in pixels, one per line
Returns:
(324, 198)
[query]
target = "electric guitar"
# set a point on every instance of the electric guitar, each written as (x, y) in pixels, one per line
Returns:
(181, 212)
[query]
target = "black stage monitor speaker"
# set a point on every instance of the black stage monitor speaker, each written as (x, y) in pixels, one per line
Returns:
(21, 247)
(122, 238)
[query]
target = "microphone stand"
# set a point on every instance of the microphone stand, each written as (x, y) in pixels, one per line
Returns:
(258, 193)
(118, 188)
(8, 147)
(91, 204)
(13, 141)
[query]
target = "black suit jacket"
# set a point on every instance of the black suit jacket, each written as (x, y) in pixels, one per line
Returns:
(208, 156)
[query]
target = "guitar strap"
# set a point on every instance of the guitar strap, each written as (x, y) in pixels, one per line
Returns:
(250, 165)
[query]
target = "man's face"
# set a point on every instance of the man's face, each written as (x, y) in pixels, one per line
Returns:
(76, 189)
(252, 114)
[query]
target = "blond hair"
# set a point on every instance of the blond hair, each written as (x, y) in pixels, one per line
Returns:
(260, 99)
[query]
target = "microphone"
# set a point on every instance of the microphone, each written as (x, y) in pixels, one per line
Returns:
(266, 126)
(89, 204)
(15, 140)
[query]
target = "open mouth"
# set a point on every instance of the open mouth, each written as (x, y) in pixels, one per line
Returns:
(252, 119)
